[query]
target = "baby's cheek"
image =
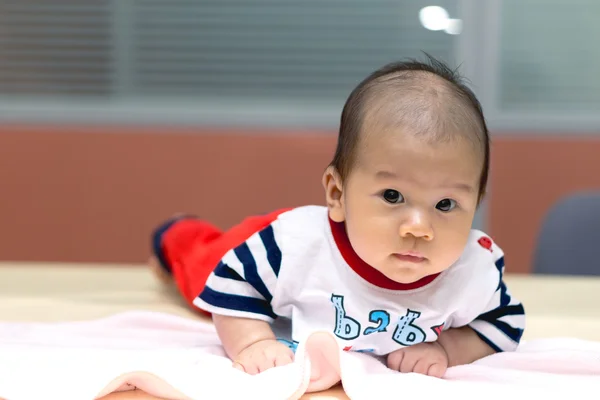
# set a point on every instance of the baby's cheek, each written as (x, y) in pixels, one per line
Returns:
(366, 248)
(452, 247)
(370, 250)
(373, 240)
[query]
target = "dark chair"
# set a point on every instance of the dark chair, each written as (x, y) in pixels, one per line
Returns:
(569, 240)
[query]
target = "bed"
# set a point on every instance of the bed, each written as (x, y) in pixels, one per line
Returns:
(49, 292)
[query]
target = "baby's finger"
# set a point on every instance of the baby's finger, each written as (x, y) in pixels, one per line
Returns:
(284, 359)
(437, 370)
(265, 362)
(408, 362)
(249, 366)
(395, 359)
(422, 366)
(238, 365)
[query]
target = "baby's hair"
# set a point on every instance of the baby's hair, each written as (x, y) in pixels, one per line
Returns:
(427, 97)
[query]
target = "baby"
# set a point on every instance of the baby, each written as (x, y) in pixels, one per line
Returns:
(391, 265)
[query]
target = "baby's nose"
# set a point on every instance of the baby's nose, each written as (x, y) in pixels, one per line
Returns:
(417, 225)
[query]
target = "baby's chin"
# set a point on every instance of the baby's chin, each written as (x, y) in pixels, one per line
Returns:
(407, 276)
(403, 276)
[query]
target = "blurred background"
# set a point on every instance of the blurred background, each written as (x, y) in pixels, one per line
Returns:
(115, 114)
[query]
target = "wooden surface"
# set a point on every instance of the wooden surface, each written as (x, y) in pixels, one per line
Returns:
(555, 306)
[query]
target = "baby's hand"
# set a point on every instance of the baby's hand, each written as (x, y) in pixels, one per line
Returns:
(428, 358)
(262, 355)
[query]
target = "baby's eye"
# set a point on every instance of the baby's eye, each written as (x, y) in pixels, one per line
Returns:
(446, 205)
(393, 196)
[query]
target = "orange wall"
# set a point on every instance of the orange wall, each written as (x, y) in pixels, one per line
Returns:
(90, 194)
(528, 176)
(94, 193)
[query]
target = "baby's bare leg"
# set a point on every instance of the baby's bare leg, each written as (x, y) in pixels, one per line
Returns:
(153, 261)
(158, 271)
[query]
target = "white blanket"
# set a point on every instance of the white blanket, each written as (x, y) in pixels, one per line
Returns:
(177, 358)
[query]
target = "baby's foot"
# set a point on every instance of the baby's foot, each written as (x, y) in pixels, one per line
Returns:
(153, 262)
(159, 271)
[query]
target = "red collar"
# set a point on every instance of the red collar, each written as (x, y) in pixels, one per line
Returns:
(368, 273)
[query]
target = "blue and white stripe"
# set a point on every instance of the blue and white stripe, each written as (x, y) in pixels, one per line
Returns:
(244, 282)
(501, 325)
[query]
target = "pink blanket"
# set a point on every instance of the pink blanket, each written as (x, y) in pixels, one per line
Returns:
(177, 358)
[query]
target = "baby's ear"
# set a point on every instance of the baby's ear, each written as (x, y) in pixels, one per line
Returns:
(332, 183)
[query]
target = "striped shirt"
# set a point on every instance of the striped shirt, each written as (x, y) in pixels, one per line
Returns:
(300, 267)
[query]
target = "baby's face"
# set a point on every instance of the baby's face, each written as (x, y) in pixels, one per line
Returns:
(408, 205)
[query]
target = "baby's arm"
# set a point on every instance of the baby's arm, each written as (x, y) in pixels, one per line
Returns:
(240, 293)
(251, 344)
(491, 321)
(463, 346)
(498, 326)
(455, 346)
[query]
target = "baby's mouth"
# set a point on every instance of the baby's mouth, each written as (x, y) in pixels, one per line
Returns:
(412, 257)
